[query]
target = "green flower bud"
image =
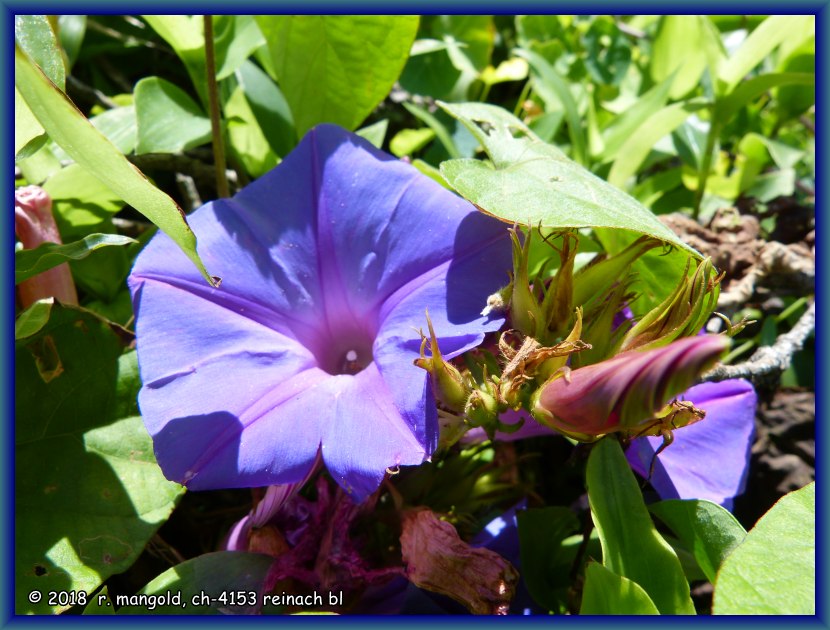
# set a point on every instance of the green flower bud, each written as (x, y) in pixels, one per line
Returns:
(451, 388)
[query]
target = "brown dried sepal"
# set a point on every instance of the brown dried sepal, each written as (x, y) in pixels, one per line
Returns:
(524, 361)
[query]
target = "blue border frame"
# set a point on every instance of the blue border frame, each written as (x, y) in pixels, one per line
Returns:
(818, 8)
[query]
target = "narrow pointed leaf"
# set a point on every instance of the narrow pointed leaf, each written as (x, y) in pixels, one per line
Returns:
(752, 88)
(635, 150)
(34, 34)
(33, 318)
(87, 146)
(30, 262)
(760, 43)
(551, 85)
(631, 546)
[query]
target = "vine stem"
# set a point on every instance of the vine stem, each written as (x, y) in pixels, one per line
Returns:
(222, 189)
(769, 361)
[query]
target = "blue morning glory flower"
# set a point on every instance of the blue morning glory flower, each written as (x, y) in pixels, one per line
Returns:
(329, 263)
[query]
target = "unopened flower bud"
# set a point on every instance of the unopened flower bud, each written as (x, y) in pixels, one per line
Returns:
(526, 314)
(34, 225)
(450, 386)
(624, 394)
(682, 313)
(597, 278)
(482, 410)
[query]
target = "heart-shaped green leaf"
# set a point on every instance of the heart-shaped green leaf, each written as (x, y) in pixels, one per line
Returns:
(223, 582)
(709, 531)
(88, 491)
(336, 68)
(533, 183)
(773, 571)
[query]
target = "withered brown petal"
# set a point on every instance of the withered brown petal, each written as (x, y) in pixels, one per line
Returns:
(438, 560)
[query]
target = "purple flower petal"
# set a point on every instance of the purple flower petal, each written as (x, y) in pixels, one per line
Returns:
(329, 263)
(709, 459)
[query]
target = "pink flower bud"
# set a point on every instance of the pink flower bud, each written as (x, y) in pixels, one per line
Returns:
(34, 225)
(627, 391)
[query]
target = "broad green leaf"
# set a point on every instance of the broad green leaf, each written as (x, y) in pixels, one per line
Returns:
(760, 43)
(236, 576)
(247, 138)
(33, 318)
(635, 150)
(784, 155)
(752, 88)
(689, 140)
(336, 68)
(678, 50)
(768, 186)
(119, 126)
(168, 121)
(35, 36)
(28, 132)
(773, 571)
(87, 146)
(606, 593)
(89, 494)
(552, 88)
(631, 546)
(709, 531)
(541, 532)
(269, 107)
(533, 183)
(429, 71)
(375, 133)
(30, 262)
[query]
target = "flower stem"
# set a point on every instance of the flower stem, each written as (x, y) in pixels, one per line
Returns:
(215, 124)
